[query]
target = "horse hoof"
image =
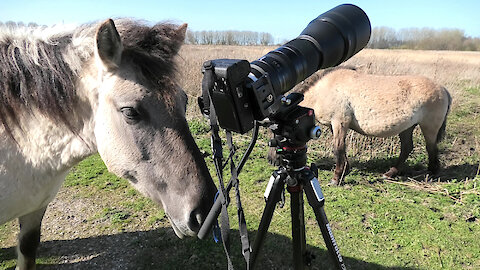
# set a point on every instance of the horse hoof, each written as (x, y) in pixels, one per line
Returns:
(386, 177)
(390, 174)
(334, 182)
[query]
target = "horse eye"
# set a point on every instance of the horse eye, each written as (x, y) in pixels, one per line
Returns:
(130, 113)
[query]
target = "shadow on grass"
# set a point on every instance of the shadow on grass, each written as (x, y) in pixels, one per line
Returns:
(376, 166)
(160, 249)
(416, 171)
(379, 165)
(459, 172)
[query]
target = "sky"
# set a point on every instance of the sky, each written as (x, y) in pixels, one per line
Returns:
(283, 19)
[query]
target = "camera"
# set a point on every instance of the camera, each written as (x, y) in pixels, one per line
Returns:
(242, 92)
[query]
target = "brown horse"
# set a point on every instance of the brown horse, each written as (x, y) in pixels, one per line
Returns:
(380, 106)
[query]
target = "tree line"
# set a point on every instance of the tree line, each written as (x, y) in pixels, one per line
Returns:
(230, 37)
(382, 38)
(422, 39)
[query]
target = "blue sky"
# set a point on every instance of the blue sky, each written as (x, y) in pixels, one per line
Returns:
(283, 19)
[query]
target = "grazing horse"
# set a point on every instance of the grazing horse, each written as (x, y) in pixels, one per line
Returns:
(110, 88)
(380, 106)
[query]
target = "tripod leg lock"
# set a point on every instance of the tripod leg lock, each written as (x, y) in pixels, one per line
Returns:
(278, 175)
(317, 191)
(269, 186)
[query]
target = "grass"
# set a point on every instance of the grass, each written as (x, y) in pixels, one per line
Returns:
(409, 223)
(404, 224)
(88, 174)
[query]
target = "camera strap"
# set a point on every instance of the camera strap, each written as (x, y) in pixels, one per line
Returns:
(242, 224)
(216, 144)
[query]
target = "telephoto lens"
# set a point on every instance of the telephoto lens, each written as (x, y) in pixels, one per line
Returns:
(327, 41)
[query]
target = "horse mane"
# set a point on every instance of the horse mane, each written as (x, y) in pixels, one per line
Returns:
(306, 84)
(39, 65)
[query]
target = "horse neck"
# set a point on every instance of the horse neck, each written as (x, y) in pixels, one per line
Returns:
(51, 147)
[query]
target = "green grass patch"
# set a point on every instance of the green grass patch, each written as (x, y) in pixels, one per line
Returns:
(380, 224)
(465, 117)
(91, 172)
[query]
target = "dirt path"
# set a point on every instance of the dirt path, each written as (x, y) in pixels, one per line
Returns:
(77, 233)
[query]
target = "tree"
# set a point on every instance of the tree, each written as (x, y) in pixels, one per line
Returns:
(383, 38)
(266, 38)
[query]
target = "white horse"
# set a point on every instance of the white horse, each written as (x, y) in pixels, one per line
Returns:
(64, 95)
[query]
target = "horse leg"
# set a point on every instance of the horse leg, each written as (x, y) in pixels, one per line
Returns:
(341, 167)
(430, 130)
(433, 161)
(432, 150)
(273, 157)
(29, 239)
(406, 147)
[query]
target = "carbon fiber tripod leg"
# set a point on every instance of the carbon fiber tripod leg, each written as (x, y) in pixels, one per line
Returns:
(316, 200)
(274, 196)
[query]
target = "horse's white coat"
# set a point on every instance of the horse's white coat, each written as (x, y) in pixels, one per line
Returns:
(33, 169)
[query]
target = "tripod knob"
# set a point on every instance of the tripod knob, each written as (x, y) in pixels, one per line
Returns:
(315, 132)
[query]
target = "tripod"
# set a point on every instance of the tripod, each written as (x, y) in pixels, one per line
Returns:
(293, 126)
(291, 147)
(297, 182)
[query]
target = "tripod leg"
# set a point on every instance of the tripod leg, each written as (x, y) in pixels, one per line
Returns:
(299, 241)
(274, 197)
(316, 200)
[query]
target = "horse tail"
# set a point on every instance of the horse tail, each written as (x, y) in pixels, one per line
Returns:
(441, 132)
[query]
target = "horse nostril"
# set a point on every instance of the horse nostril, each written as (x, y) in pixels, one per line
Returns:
(195, 221)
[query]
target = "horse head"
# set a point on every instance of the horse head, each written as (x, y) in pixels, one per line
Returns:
(139, 120)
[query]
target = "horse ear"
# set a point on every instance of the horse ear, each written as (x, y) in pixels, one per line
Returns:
(109, 45)
(179, 37)
(180, 32)
(164, 40)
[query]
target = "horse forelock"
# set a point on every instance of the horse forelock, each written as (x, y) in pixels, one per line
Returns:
(157, 73)
(39, 65)
(159, 41)
(150, 50)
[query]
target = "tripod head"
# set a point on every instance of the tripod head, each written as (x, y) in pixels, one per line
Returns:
(293, 127)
